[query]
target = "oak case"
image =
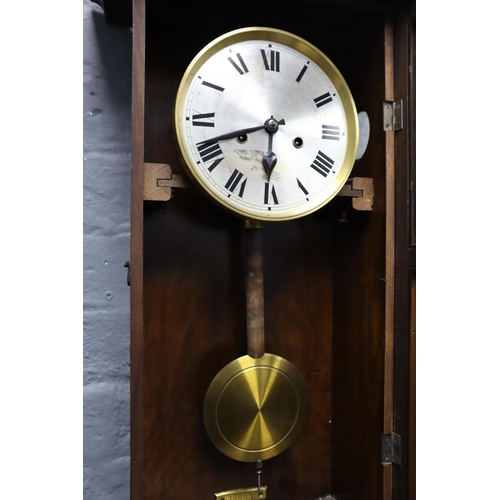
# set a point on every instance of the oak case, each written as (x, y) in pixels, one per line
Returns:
(335, 303)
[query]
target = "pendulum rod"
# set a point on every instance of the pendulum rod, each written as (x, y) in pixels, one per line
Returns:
(254, 289)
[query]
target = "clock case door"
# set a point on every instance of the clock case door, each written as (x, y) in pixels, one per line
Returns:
(338, 283)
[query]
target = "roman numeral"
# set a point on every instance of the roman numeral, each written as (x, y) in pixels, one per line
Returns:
(209, 150)
(212, 86)
(302, 187)
(214, 164)
(331, 133)
(243, 68)
(323, 99)
(273, 64)
(269, 190)
(301, 74)
(322, 164)
(203, 120)
(233, 182)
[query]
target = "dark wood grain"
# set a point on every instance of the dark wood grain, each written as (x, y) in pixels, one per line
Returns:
(404, 74)
(194, 309)
(298, 295)
(359, 302)
(195, 322)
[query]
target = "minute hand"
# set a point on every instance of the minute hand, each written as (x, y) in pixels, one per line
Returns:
(232, 135)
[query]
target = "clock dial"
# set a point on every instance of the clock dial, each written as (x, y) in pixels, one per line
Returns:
(266, 124)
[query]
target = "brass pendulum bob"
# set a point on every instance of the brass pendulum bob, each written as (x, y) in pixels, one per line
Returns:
(257, 404)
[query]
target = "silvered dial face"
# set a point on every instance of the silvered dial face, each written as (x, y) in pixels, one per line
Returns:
(268, 130)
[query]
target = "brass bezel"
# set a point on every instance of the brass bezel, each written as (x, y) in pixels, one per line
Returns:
(313, 53)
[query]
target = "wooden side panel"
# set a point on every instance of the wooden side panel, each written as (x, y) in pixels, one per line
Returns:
(390, 251)
(412, 431)
(404, 75)
(359, 305)
(136, 251)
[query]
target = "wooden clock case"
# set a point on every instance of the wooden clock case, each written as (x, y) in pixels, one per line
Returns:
(339, 284)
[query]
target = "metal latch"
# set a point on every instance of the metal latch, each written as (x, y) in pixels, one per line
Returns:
(391, 449)
(393, 115)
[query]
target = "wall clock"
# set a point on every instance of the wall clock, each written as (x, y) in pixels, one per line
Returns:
(268, 128)
(330, 284)
(266, 124)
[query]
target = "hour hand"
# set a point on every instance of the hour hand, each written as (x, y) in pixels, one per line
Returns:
(231, 135)
(270, 159)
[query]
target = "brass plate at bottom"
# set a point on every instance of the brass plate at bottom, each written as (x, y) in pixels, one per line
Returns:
(243, 494)
(254, 408)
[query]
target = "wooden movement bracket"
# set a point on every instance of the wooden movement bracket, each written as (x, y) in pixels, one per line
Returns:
(361, 190)
(159, 181)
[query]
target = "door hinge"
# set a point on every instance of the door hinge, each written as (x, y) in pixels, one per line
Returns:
(391, 449)
(393, 115)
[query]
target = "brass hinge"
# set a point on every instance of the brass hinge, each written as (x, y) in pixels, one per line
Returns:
(393, 115)
(391, 449)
